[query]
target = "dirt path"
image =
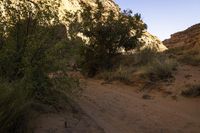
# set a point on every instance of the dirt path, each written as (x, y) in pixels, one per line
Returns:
(117, 108)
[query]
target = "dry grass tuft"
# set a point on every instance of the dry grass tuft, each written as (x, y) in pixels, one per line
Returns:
(191, 91)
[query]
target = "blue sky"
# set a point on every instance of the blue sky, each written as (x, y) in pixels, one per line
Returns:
(165, 17)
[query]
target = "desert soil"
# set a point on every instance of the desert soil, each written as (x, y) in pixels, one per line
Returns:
(119, 108)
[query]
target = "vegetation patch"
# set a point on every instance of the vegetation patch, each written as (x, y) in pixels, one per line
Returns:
(189, 56)
(191, 91)
(147, 63)
(190, 59)
(107, 36)
(123, 74)
(33, 63)
(155, 66)
(160, 69)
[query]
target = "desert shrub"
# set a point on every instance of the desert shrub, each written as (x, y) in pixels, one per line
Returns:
(145, 56)
(148, 63)
(106, 75)
(123, 74)
(33, 62)
(139, 58)
(160, 69)
(191, 91)
(107, 34)
(187, 55)
(155, 66)
(175, 51)
(191, 59)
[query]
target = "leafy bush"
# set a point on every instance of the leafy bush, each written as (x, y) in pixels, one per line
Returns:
(107, 34)
(33, 62)
(191, 91)
(15, 108)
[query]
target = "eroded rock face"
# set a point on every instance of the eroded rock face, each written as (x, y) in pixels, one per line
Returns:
(188, 38)
(74, 5)
(148, 39)
(153, 42)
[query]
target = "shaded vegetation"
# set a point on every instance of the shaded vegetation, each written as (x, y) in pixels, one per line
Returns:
(107, 35)
(189, 56)
(160, 69)
(33, 63)
(190, 59)
(122, 73)
(36, 51)
(191, 91)
(156, 66)
(147, 63)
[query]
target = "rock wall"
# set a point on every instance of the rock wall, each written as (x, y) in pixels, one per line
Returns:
(152, 41)
(188, 38)
(74, 5)
(148, 39)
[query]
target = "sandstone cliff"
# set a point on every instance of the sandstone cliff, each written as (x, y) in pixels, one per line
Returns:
(74, 5)
(189, 38)
(148, 39)
(152, 41)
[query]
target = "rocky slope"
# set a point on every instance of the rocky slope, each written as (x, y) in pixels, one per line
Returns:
(74, 5)
(152, 41)
(148, 39)
(189, 38)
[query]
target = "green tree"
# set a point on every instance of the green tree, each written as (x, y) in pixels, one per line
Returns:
(33, 61)
(108, 32)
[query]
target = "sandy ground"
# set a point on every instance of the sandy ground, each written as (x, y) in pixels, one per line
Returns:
(186, 75)
(119, 108)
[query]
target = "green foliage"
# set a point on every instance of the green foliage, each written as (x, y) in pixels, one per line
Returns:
(107, 33)
(15, 107)
(33, 62)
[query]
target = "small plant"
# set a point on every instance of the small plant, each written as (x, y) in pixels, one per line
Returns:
(122, 74)
(160, 69)
(189, 56)
(191, 91)
(193, 60)
(145, 56)
(106, 75)
(154, 65)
